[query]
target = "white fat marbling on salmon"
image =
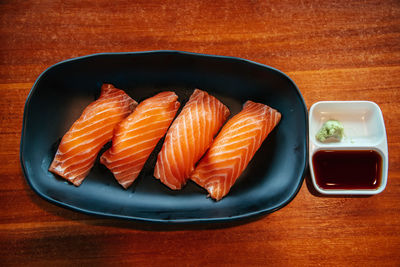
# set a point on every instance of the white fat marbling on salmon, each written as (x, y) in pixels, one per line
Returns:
(189, 137)
(79, 147)
(136, 136)
(234, 147)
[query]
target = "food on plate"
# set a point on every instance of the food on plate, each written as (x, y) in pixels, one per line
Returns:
(135, 130)
(234, 147)
(189, 137)
(137, 135)
(79, 147)
(332, 131)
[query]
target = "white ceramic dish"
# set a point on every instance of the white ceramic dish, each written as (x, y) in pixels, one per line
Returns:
(364, 129)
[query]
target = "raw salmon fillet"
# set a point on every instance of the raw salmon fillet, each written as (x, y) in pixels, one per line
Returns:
(234, 147)
(137, 135)
(79, 147)
(189, 137)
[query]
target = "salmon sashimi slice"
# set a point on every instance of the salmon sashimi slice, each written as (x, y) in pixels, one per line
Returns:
(137, 135)
(234, 147)
(79, 147)
(189, 137)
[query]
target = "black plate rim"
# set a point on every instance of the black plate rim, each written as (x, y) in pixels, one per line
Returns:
(152, 220)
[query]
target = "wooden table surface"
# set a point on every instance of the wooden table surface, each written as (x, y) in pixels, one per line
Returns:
(333, 50)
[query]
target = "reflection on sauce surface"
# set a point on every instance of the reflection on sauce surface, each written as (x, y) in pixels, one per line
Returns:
(347, 169)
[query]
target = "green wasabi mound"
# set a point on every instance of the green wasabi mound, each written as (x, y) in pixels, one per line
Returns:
(332, 130)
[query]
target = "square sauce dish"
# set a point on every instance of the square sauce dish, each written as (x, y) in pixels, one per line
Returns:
(354, 163)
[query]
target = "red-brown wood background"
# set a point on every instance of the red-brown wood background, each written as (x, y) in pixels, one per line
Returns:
(333, 50)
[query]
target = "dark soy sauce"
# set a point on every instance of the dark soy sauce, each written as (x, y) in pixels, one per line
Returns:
(347, 169)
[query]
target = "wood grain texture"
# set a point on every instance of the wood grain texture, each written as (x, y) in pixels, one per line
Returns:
(333, 50)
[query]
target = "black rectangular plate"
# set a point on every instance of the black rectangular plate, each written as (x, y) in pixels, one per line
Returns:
(60, 94)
